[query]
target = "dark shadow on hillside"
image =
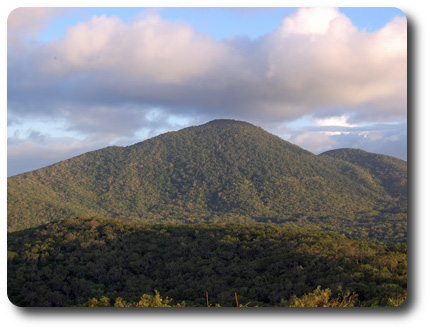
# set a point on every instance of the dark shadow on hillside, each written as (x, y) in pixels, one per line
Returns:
(71, 261)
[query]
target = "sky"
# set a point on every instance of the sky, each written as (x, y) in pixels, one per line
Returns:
(81, 79)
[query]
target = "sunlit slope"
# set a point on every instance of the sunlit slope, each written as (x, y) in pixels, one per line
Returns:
(224, 170)
(388, 172)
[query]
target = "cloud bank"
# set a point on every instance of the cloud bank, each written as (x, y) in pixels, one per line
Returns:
(107, 78)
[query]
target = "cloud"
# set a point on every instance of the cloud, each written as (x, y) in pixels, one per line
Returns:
(24, 23)
(316, 60)
(147, 49)
(112, 80)
(30, 20)
(331, 63)
(25, 155)
(312, 21)
(389, 139)
(315, 141)
(342, 120)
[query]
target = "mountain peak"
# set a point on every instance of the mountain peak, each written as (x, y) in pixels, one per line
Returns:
(225, 169)
(226, 122)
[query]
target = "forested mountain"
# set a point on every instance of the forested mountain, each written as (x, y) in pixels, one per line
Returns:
(75, 261)
(224, 208)
(386, 171)
(222, 171)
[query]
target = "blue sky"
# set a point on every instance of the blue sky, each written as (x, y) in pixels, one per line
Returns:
(80, 79)
(249, 22)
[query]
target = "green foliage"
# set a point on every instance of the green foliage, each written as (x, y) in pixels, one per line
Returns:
(67, 262)
(225, 171)
(394, 301)
(388, 172)
(224, 208)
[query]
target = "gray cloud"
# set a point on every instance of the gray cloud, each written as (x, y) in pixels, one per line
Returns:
(116, 81)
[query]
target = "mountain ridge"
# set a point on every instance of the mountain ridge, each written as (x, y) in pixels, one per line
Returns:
(391, 172)
(224, 170)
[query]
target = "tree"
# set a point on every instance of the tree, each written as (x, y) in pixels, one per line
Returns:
(146, 300)
(320, 298)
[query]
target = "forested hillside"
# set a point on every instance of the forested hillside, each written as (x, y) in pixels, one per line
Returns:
(386, 171)
(89, 262)
(223, 171)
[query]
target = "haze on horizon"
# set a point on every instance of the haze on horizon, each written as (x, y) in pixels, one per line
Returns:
(81, 79)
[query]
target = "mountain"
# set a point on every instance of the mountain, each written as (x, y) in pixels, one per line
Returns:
(222, 171)
(386, 171)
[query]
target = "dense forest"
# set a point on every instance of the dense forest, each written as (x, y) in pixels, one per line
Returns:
(107, 262)
(222, 214)
(223, 171)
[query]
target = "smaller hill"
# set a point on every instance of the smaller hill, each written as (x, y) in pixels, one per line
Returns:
(386, 171)
(222, 171)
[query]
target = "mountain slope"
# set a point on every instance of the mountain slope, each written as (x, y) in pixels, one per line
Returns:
(387, 171)
(224, 170)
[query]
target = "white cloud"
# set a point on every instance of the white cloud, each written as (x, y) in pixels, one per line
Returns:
(149, 48)
(312, 21)
(340, 65)
(317, 59)
(107, 78)
(335, 121)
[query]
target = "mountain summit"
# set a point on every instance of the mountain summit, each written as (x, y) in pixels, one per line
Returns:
(222, 171)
